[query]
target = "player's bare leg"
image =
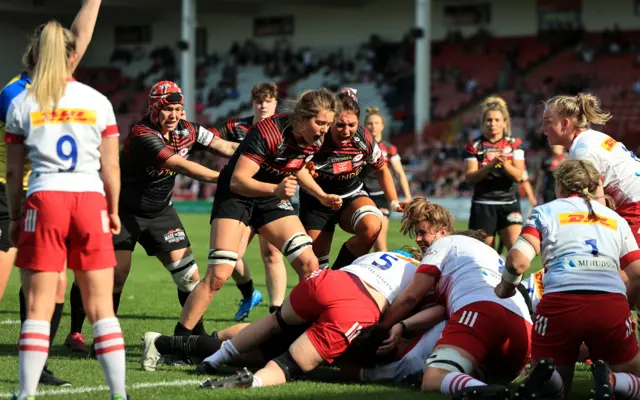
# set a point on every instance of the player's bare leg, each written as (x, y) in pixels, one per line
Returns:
(275, 273)
(509, 235)
(321, 246)
(121, 273)
(381, 240)
(251, 297)
(7, 259)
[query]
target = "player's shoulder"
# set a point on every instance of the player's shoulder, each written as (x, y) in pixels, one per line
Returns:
(475, 145)
(272, 125)
(143, 127)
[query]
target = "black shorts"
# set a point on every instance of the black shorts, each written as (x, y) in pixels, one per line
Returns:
(316, 216)
(251, 211)
(162, 233)
(493, 218)
(4, 217)
(381, 202)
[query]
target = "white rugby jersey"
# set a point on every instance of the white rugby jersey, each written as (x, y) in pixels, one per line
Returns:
(619, 168)
(467, 271)
(579, 253)
(387, 272)
(63, 145)
(534, 285)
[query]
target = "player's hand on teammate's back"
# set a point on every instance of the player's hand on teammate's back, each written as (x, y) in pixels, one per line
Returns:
(287, 187)
(333, 201)
(14, 232)
(114, 224)
(504, 290)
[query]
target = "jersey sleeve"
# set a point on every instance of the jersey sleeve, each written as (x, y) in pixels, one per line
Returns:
(535, 225)
(581, 151)
(471, 151)
(518, 152)
(629, 251)
(393, 154)
(374, 156)
(107, 124)
(205, 136)
(14, 131)
(432, 261)
(149, 146)
(258, 145)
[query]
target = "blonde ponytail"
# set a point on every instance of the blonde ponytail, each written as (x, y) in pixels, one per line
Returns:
(52, 70)
(584, 109)
(496, 103)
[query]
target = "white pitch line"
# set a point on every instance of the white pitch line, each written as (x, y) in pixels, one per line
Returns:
(10, 322)
(89, 389)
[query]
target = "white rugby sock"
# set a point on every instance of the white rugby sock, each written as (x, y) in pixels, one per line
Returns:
(227, 353)
(454, 382)
(107, 337)
(34, 349)
(627, 384)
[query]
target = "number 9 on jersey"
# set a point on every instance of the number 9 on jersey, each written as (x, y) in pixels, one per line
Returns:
(68, 151)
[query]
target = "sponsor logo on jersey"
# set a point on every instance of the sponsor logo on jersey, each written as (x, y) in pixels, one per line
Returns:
(357, 158)
(584, 218)
(183, 152)
(608, 144)
(343, 166)
(63, 116)
(295, 163)
(309, 157)
(159, 172)
(175, 236)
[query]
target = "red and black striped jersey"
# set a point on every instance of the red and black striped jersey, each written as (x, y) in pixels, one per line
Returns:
(271, 145)
(146, 186)
(390, 153)
(339, 164)
(233, 130)
(498, 186)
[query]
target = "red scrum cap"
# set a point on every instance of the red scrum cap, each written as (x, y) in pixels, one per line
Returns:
(162, 94)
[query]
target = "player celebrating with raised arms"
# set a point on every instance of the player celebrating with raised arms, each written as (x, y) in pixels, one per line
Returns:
(567, 122)
(338, 164)
(68, 131)
(486, 339)
(584, 246)
(254, 190)
(494, 166)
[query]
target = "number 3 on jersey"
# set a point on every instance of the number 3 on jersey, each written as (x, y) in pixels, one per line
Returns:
(68, 151)
(388, 261)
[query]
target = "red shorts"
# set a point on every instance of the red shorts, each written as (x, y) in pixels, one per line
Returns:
(71, 227)
(631, 213)
(563, 321)
(498, 339)
(339, 306)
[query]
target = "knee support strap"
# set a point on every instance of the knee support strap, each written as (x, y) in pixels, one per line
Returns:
(361, 212)
(227, 257)
(295, 245)
(323, 261)
(289, 366)
(281, 322)
(182, 271)
(449, 359)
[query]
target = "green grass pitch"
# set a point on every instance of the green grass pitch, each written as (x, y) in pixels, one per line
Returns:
(149, 303)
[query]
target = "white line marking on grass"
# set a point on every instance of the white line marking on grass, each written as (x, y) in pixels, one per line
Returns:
(10, 322)
(89, 389)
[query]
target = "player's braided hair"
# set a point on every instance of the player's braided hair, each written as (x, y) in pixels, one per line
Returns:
(584, 109)
(581, 178)
(495, 103)
(421, 209)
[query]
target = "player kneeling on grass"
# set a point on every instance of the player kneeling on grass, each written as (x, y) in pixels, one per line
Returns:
(584, 246)
(337, 304)
(486, 339)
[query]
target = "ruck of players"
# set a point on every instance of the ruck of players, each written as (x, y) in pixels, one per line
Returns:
(446, 313)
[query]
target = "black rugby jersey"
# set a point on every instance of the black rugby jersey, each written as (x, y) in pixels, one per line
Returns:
(271, 144)
(339, 165)
(497, 187)
(233, 130)
(549, 166)
(146, 186)
(389, 153)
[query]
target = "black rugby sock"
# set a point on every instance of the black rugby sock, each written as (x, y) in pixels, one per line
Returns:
(55, 321)
(345, 257)
(116, 302)
(188, 346)
(77, 310)
(246, 289)
(182, 297)
(273, 309)
(181, 330)
(23, 307)
(198, 328)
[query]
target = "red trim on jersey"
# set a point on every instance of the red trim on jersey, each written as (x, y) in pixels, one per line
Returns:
(530, 230)
(629, 258)
(429, 270)
(255, 158)
(573, 195)
(110, 130)
(12, 138)
(165, 154)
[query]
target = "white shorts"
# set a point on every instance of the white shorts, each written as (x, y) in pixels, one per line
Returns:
(411, 363)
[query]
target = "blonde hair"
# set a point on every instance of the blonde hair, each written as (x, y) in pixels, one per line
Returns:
(312, 102)
(54, 47)
(581, 178)
(373, 111)
(584, 109)
(495, 103)
(420, 210)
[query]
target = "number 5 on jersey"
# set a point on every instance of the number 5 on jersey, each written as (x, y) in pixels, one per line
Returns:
(67, 150)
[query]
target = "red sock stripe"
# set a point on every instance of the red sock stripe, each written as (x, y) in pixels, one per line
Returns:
(635, 387)
(30, 347)
(34, 335)
(464, 382)
(110, 349)
(108, 336)
(453, 382)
